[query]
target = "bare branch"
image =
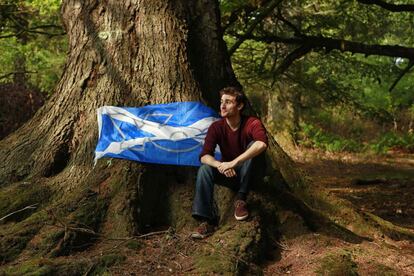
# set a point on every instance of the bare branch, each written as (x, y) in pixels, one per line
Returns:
(11, 35)
(33, 206)
(289, 24)
(403, 72)
(19, 72)
(330, 44)
(262, 14)
(294, 55)
(93, 233)
(388, 6)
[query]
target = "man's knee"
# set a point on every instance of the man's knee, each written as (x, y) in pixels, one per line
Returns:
(205, 172)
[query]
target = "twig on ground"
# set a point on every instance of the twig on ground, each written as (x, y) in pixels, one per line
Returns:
(91, 232)
(178, 264)
(33, 206)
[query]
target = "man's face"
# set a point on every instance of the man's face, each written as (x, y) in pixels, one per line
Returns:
(229, 107)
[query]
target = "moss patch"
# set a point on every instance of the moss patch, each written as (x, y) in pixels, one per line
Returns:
(14, 237)
(89, 214)
(80, 266)
(19, 196)
(383, 270)
(339, 263)
(232, 249)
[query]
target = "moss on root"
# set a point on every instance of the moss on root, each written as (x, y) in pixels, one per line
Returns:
(233, 249)
(15, 237)
(19, 196)
(68, 267)
(88, 215)
(338, 263)
(383, 270)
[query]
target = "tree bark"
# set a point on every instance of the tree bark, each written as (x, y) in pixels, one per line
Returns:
(128, 53)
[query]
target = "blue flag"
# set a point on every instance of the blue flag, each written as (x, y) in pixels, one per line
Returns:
(165, 133)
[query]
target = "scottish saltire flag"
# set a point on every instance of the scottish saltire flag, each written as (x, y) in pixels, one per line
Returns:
(164, 133)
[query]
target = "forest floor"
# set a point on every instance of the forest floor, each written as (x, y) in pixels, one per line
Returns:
(382, 185)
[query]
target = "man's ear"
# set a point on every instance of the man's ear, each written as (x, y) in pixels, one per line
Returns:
(240, 106)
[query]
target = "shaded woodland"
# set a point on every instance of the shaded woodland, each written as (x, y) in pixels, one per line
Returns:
(331, 77)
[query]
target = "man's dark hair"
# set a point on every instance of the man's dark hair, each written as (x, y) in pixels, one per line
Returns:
(234, 91)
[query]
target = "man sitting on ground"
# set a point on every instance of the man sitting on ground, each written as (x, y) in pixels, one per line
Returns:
(240, 138)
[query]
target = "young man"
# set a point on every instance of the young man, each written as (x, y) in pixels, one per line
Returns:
(240, 138)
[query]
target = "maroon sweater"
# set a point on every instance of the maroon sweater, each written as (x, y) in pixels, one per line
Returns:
(233, 143)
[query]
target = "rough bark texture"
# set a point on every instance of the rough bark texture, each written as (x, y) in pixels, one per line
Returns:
(124, 54)
(128, 53)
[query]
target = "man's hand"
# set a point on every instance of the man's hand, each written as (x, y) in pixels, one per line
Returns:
(230, 173)
(227, 168)
(224, 166)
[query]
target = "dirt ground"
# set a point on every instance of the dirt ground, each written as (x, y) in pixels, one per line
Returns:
(382, 185)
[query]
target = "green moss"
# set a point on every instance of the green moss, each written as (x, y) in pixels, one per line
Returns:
(19, 196)
(215, 264)
(232, 250)
(134, 245)
(393, 231)
(102, 265)
(339, 263)
(32, 267)
(14, 237)
(67, 267)
(383, 270)
(89, 214)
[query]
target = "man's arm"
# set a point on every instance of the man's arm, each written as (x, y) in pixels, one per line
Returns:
(210, 160)
(255, 149)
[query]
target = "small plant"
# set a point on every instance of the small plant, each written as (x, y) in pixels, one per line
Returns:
(393, 141)
(315, 137)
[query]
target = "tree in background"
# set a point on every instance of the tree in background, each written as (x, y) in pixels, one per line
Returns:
(33, 43)
(33, 52)
(310, 54)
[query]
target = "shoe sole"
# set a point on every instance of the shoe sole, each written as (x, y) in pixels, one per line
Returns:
(241, 218)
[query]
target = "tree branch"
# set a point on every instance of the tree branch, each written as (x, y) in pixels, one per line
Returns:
(388, 6)
(19, 72)
(330, 44)
(262, 14)
(403, 72)
(33, 206)
(294, 55)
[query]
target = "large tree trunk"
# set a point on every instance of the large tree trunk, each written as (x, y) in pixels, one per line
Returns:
(121, 53)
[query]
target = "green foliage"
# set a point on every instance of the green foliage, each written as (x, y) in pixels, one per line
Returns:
(323, 79)
(31, 31)
(316, 137)
(392, 140)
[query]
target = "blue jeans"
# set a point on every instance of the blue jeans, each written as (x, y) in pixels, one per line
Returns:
(204, 206)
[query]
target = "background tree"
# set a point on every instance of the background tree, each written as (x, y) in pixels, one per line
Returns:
(310, 48)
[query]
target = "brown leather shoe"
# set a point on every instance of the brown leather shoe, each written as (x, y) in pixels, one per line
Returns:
(240, 210)
(203, 230)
